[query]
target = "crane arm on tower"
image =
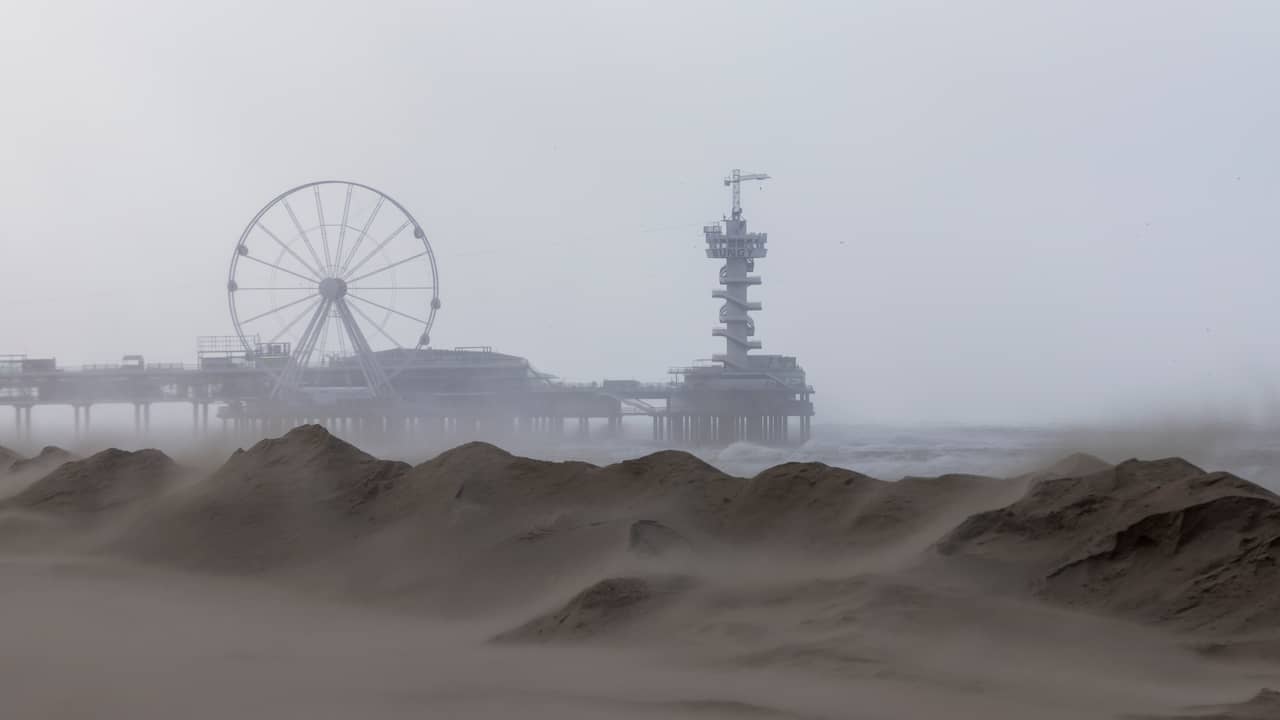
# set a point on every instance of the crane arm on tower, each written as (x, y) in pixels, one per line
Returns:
(744, 178)
(735, 181)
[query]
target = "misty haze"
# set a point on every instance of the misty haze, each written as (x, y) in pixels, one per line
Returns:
(620, 359)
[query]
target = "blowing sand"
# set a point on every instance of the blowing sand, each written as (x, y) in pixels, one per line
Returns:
(305, 578)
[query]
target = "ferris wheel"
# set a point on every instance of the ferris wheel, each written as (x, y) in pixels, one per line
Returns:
(332, 272)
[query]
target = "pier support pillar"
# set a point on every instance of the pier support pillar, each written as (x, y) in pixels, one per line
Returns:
(22, 421)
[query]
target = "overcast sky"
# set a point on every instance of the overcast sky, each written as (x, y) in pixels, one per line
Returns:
(980, 212)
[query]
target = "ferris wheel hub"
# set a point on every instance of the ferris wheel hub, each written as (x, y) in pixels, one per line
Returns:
(332, 288)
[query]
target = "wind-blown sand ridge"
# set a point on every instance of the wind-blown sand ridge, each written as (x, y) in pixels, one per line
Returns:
(974, 596)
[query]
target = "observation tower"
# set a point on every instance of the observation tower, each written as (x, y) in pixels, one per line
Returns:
(728, 240)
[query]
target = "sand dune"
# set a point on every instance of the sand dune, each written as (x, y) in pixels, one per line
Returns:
(609, 607)
(49, 457)
(17, 472)
(652, 538)
(1263, 706)
(281, 502)
(1162, 540)
(8, 457)
(1079, 590)
(107, 480)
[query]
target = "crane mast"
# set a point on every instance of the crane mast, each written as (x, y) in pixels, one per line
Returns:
(735, 181)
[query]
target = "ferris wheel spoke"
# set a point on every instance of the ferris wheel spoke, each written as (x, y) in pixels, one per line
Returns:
(305, 312)
(353, 296)
(242, 289)
(281, 269)
(316, 275)
(312, 333)
(376, 326)
(293, 371)
(324, 233)
(273, 311)
(370, 366)
(342, 229)
(386, 268)
(324, 332)
(391, 287)
(364, 231)
(301, 233)
(381, 245)
(342, 341)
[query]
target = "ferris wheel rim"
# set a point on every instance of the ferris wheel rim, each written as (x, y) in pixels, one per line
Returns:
(240, 252)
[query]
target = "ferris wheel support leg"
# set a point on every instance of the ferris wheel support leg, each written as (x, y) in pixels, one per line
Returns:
(291, 376)
(373, 372)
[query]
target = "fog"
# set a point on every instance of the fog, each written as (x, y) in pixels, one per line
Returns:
(1005, 212)
(1015, 245)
